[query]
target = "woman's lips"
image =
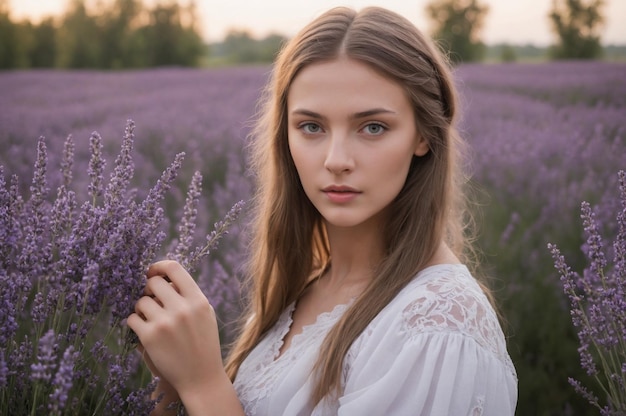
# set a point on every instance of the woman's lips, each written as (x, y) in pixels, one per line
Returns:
(340, 194)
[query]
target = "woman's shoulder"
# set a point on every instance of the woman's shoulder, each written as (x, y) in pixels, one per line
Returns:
(446, 299)
(439, 285)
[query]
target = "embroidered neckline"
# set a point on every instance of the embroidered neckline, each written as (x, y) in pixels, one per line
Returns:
(322, 323)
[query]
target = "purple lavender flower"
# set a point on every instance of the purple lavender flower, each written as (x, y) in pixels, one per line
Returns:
(96, 167)
(67, 163)
(137, 403)
(90, 296)
(36, 253)
(46, 358)
(594, 246)
(40, 308)
(212, 239)
(20, 356)
(39, 188)
(114, 389)
(187, 225)
(619, 245)
(123, 171)
(5, 221)
(62, 382)
(65, 202)
(63, 208)
(8, 313)
(4, 370)
(598, 309)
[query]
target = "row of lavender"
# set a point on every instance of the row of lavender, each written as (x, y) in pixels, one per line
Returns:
(544, 138)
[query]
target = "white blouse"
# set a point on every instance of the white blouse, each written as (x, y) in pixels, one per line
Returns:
(437, 349)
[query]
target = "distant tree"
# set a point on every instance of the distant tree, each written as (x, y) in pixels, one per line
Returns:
(79, 38)
(117, 24)
(16, 41)
(7, 43)
(507, 53)
(577, 24)
(270, 46)
(42, 53)
(239, 47)
(172, 37)
(457, 26)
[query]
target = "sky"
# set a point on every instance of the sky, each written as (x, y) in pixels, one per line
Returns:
(515, 22)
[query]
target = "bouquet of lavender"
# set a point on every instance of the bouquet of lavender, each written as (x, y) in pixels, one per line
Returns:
(70, 274)
(598, 308)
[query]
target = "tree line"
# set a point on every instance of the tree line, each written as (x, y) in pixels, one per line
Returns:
(128, 34)
(119, 34)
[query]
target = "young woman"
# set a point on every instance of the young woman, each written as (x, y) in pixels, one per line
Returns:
(360, 300)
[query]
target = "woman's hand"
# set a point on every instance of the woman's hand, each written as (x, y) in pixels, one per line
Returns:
(178, 330)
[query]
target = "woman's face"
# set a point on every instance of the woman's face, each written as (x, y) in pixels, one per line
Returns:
(352, 136)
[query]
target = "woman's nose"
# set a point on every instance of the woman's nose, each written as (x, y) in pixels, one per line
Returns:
(339, 157)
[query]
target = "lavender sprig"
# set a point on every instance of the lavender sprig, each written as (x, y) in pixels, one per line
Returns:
(598, 309)
(187, 225)
(63, 381)
(68, 161)
(212, 239)
(96, 167)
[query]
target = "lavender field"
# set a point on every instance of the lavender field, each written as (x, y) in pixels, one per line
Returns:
(543, 137)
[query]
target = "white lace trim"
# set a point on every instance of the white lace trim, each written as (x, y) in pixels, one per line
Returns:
(451, 301)
(260, 379)
(478, 408)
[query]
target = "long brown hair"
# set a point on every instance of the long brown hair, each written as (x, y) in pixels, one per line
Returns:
(289, 244)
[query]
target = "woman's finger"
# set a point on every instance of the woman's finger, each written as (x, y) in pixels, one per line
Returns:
(147, 307)
(159, 288)
(179, 277)
(136, 323)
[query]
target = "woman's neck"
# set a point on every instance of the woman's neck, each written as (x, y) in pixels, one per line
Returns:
(355, 253)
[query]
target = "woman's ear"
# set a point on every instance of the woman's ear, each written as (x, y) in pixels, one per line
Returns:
(421, 147)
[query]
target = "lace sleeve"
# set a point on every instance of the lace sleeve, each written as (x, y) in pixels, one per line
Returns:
(453, 305)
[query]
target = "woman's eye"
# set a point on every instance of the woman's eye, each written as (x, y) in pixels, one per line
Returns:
(374, 129)
(310, 128)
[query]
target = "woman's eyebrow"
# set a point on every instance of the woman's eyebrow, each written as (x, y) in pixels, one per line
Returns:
(372, 112)
(360, 114)
(307, 113)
